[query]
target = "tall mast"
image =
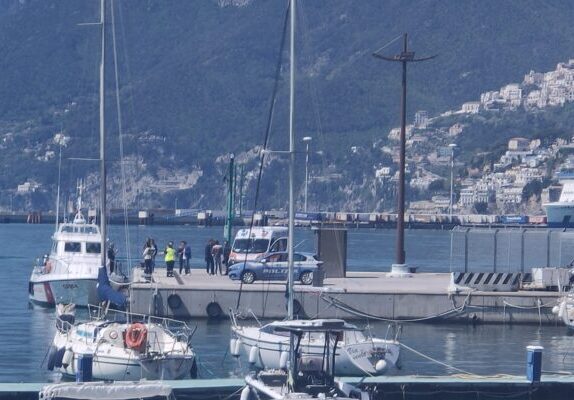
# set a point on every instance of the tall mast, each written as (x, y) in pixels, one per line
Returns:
(291, 163)
(102, 136)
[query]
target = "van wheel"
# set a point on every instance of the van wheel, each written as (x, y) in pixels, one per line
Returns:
(306, 278)
(248, 277)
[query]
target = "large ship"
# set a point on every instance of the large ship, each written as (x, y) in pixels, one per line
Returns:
(561, 212)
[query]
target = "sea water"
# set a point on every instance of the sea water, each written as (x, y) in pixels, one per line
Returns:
(26, 332)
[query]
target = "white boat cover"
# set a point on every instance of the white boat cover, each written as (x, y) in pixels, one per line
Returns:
(105, 390)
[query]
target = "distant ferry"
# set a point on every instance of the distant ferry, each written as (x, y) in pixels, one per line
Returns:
(561, 213)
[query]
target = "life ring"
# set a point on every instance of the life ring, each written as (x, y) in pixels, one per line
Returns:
(48, 267)
(136, 336)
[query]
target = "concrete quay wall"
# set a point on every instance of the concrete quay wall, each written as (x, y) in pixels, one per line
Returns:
(420, 297)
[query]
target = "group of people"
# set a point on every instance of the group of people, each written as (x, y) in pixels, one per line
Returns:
(216, 256)
(182, 253)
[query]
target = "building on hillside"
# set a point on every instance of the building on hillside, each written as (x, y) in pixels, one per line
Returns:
(518, 144)
(471, 107)
(512, 95)
(28, 187)
(421, 119)
(455, 129)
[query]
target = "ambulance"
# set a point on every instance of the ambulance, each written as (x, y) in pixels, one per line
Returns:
(250, 244)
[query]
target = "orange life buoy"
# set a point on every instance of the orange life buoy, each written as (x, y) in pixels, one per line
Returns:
(136, 336)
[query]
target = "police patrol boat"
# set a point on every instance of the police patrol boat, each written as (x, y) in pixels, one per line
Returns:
(69, 273)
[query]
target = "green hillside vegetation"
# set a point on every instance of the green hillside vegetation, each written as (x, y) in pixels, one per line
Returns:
(199, 77)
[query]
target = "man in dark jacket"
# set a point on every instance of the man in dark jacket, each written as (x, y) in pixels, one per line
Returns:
(209, 266)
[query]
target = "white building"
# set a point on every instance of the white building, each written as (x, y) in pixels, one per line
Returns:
(421, 119)
(471, 107)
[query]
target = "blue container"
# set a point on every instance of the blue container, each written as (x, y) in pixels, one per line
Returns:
(84, 369)
(534, 363)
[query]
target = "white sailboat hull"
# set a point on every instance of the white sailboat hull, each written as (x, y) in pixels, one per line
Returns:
(357, 359)
(162, 358)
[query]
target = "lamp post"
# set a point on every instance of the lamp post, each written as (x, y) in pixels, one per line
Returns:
(306, 140)
(452, 147)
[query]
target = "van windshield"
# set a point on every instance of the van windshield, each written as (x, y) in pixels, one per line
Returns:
(250, 245)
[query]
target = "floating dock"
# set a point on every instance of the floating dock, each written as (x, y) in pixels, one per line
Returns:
(555, 387)
(373, 295)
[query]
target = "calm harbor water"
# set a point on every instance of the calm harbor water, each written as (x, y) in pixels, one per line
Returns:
(25, 333)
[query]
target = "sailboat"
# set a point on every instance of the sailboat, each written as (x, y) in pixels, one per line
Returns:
(269, 346)
(303, 354)
(119, 345)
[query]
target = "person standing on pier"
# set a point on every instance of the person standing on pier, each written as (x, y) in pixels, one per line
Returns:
(154, 253)
(226, 253)
(147, 255)
(112, 257)
(169, 258)
(217, 252)
(187, 257)
(181, 255)
(209, 257)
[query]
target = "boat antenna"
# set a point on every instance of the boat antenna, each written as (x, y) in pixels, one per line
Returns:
(102, 136)
(58, 191)
(404, 58)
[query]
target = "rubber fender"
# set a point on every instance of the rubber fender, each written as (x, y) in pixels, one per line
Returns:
(174, 301)
(51, 358)
(253, 355)
(58, 357)
(214, 310)
(68, 358)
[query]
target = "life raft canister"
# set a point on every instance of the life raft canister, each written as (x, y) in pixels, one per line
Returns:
(136, 336)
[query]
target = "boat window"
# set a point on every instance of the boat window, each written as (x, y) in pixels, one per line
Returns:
(73, 247)
(354, 337)
(250, 245)
(93, 248)
(271, 329)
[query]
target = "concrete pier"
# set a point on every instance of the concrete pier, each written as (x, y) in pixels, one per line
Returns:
(414, 297)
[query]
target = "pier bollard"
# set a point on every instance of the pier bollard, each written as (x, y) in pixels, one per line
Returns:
(533, 363)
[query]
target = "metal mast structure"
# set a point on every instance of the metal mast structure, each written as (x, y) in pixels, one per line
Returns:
(103, 207)
(404, 58)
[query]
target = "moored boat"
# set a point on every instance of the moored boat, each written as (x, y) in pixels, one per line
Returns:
(122, 346)
(69, 274)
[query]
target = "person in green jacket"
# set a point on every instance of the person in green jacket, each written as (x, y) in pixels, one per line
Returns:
(169, 258)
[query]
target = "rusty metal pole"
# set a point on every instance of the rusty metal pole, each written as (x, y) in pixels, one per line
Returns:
(404, 57)
(400, 244)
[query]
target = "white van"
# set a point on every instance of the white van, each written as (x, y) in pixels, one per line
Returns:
(250, 244)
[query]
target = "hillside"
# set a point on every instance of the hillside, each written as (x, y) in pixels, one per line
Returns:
(196, 78)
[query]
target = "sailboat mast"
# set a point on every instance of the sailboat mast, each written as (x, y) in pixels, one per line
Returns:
(291, 163)
(102, 136)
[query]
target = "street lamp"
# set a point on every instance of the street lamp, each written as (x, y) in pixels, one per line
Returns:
(452, 147)
(306, 140)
